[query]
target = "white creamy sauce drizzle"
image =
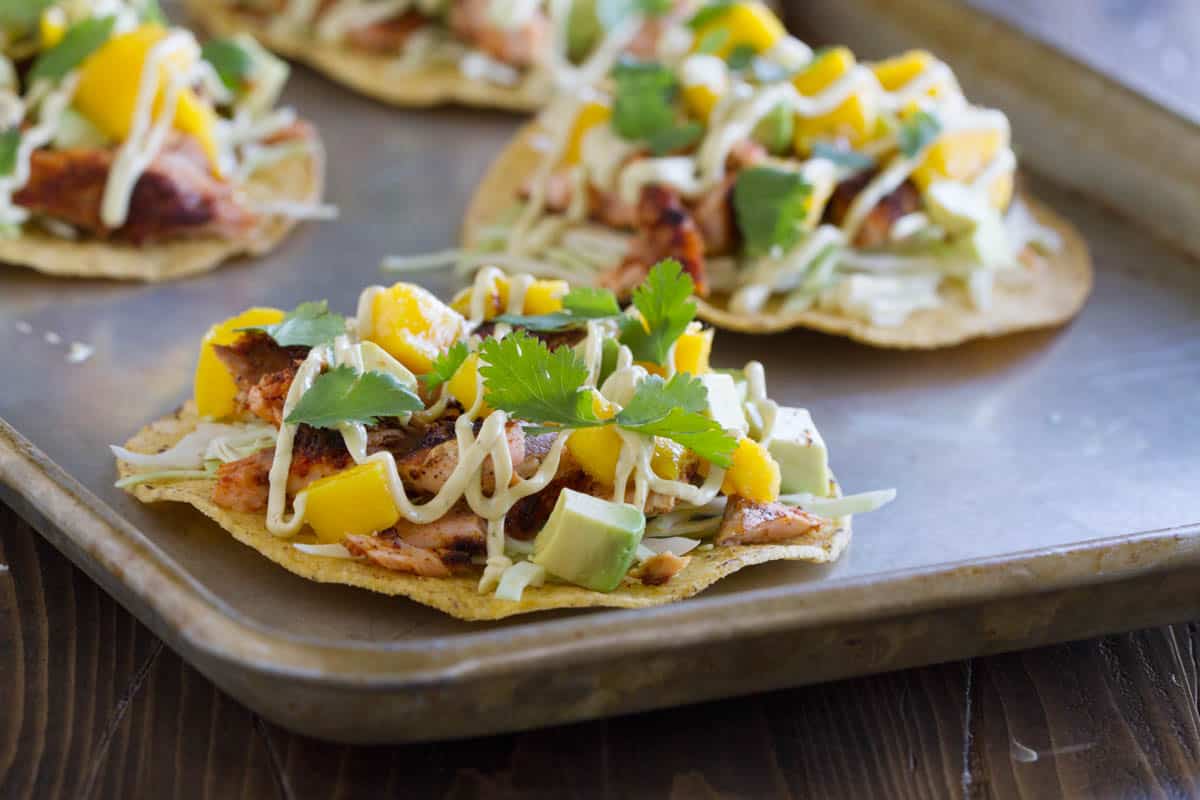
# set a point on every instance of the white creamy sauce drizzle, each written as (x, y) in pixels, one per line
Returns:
(634, 471)
(148, 133)
(51, 104)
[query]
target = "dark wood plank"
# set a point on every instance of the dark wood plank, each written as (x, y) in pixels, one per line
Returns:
(94, 706)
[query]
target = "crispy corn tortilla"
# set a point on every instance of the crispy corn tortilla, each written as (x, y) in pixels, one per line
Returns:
(299, 178)
(373, 75)
(457, 596)
(1055, 293)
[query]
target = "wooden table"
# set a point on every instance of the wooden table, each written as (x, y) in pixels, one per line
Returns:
(93, 705)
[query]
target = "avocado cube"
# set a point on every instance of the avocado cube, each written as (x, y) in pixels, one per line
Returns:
(588, 541)
(800, 451)
(725, 402)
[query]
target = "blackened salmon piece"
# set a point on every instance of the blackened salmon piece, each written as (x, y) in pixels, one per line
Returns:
(749, 522)
(396, 554)
(175, 197)
(877, 227)
(665, 229)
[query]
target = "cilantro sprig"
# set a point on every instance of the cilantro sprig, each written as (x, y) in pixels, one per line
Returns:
(548, 388)
(580, 306)
(342, 395)
(445, 365)
(79, 42)
(665, 311)
(308, 324)
(528, 380)
(918, 132)
(770, 205)
(644, 107)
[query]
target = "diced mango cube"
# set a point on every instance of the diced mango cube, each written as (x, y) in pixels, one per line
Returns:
(591, 114)
(109, 79)
(356, 501)
(746, 24)
(414, 326)
(215, 389)
(52, 26)
(464, 384)
(958, 156)
(692, 350)
(754, 473)
(896, 73)
(542, 297)
(668, 459)
(853, 120)
(705, 78)
(597, 451)
(545, 296)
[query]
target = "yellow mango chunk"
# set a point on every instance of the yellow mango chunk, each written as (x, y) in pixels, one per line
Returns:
(215, 389)
(545, 296)
(596, 450)
(754, 474)
(591, 114)
(958, 156)
(413, 326)
(355, 501)
(896, 73)
(464, 384)
(52, 26)
(853, 120)
(668, 458)
(705, 79)
(692, 350)
(747, 24)
(108, 89)
(542, 297)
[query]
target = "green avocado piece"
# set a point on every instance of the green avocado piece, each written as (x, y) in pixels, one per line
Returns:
(775, 131)
(588, 541)
(800, 451)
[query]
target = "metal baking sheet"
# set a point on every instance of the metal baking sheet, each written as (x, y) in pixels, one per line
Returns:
(1047, 481)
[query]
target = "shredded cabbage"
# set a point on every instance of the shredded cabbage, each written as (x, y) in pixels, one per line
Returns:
(326, 550)
(834, 507)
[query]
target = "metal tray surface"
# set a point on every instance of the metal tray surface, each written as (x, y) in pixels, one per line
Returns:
(1041, 477)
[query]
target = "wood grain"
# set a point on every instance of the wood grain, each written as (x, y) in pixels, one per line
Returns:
(94, 706)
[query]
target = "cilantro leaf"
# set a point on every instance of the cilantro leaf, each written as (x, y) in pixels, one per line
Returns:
(679, 138)
(696, 432)
(342, 395)
(591, 302)
(579, 306)
(741, 57)
(710, 13)
(665, 312)
(10, 143)
(308, 324)
(848, 159)
(231, 61)
(918, 132)
(674, 410)
(79, 42)
(644, 98)
(770, 205)
(445, 365)
(528, 380)
(656, 398)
